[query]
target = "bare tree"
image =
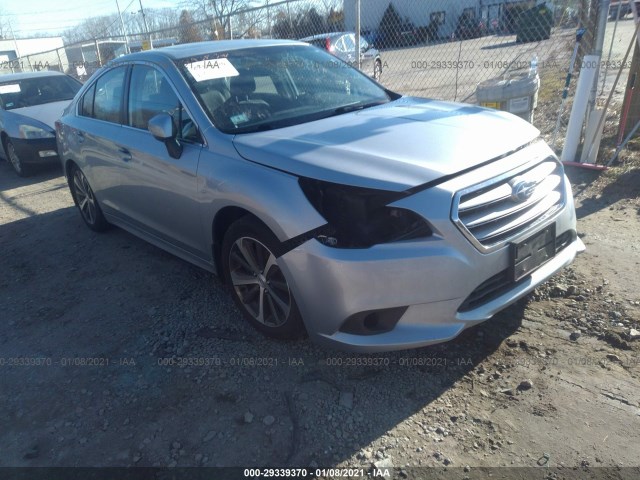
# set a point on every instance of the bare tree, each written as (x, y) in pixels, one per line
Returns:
(221, 11)
(329, 6)
(93, 28)
(189, 32)
(250, 23)
(4, 25)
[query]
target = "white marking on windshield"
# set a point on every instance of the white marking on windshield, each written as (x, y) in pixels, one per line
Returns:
(10, 88)
(211, 69)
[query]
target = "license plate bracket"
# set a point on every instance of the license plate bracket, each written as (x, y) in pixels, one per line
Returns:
(530, 254)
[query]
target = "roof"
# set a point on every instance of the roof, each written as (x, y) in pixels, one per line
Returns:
(324, 35)
(13, 77)
(186, 50)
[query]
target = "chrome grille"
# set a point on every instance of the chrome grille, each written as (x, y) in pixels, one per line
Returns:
(497, 211)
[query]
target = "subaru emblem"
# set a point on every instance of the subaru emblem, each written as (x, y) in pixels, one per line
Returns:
(521, 190)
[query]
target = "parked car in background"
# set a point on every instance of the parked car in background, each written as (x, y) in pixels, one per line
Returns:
(343, 46)
(325, 202)
(469, 26)
(623, 7)
(30, 103)
(534, 24)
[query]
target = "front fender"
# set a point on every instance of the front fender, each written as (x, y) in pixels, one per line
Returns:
(271, 195)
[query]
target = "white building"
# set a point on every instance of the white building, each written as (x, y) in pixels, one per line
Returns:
(494, 13)
(27, 54)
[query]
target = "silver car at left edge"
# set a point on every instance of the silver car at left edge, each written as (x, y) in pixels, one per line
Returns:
(30, 103)
(328, 204)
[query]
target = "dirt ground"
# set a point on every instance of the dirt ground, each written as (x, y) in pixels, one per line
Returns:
(114, 353)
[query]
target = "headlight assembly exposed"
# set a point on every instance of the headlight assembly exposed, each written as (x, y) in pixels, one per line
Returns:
(361, 217)
(30, 132)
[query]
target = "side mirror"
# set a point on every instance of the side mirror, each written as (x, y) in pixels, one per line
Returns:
(163, 129)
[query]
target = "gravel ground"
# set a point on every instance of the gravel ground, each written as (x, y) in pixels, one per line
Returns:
(145, 362)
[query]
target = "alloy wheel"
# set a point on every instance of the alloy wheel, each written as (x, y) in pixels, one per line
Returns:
(259, 283)
(377, 70)
(16, 163)
(85, 197)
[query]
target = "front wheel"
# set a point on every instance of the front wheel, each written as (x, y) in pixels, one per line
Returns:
(258, 285)
(16, 162)
(377, 70)
(86, 201)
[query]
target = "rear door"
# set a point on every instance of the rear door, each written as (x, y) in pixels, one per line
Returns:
(94, 133)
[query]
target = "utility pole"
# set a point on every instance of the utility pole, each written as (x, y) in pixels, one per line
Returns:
(358, 34)
(146, 26)
(15, 42)
(124, 31)
(268, 18)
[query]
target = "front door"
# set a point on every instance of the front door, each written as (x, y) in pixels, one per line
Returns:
(159, 193)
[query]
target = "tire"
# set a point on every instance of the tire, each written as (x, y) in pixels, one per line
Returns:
(86, 201)
(377, 70)
(16, 162)
(258, 286)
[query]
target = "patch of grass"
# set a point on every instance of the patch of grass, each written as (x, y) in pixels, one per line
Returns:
(551, 85)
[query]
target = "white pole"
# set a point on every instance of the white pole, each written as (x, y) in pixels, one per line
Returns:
(591, 63)
(603, 14)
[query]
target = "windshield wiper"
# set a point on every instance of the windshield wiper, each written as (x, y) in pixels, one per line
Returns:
(352, 107)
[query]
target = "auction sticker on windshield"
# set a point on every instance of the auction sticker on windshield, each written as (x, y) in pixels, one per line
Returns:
(211, 69)
(10, 88)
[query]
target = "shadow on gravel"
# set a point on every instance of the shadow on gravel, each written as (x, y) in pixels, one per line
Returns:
(9, 180)
(501, 45)
(624, 186)
(148, 363)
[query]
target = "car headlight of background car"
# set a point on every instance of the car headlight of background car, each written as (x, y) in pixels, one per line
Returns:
(31, 132)
(361, 217)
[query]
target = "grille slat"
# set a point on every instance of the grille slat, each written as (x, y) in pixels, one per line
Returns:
(495, 194)
(493, 214)
(488, 232)
(487, 198)
(506, 209)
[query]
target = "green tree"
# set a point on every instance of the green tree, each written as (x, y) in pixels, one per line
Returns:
(390, 27)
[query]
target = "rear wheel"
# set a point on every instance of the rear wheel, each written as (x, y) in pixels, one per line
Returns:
(86, 201)
(16, 162)
(257, 283)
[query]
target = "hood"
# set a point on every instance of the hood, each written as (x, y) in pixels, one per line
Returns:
(46, 113)
(395, 146)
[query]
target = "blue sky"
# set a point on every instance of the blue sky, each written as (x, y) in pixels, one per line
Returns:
(28, 18)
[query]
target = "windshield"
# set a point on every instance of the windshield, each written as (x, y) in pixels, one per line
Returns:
(272, 87)
(36, 91)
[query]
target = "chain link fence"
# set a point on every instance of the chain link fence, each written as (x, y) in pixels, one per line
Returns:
(442, 49)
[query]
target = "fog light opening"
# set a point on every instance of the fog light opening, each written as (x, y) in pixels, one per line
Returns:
(373, 322)
(47, 153)
(328, 241)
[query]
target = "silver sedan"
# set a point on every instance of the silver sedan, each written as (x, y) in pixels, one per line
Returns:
(328, 204)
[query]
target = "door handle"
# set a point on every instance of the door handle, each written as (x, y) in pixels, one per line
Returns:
(126, 154)
(80, 136)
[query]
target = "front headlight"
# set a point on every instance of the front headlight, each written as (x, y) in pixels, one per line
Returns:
(361, 217)
(30, 132)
